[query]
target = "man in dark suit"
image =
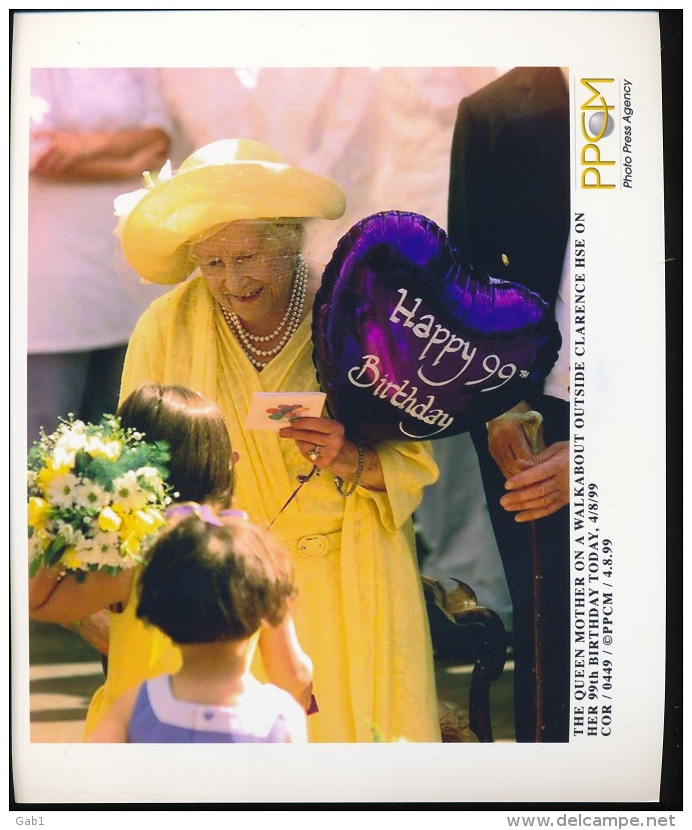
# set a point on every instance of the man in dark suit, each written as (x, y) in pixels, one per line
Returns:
(509, 216)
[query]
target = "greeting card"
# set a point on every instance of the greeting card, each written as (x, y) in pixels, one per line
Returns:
(275, 410)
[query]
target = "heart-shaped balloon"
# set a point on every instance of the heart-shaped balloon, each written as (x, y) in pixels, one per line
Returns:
(409, 345)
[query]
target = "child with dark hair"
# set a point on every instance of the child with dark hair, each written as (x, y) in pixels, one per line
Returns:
(211, 585)
(201, 468)
(201, 462)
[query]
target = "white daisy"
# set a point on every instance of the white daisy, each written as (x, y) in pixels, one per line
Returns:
(67, 532)
(104, 541)
(72, 439)
(61, 490)
(102, 550)
(89, 494)
(128, 493)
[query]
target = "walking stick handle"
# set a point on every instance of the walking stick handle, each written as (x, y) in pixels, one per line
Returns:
(532, 424)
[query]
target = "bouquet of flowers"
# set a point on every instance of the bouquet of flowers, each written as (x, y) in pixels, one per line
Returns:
(96, 494)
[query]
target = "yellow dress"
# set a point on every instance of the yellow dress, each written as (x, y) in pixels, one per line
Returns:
(360, 612)
(136, 652)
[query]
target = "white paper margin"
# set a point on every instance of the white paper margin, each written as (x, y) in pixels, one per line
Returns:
(625, 400)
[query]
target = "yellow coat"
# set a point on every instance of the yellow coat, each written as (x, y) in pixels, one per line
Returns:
(360, 613)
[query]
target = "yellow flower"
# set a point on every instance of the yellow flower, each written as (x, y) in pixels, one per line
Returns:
(71, 560)
(44, 477)
(130, 544)
(109, 519)
(136, 527)
(157, 516)
(146, 522)
(39, 512)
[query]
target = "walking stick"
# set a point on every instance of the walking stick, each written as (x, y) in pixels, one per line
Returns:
(534, 434)
(531, 423)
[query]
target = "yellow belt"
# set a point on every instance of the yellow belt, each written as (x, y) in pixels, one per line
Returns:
(316, 545)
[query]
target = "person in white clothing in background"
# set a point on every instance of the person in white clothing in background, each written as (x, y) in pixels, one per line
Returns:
(91, 131)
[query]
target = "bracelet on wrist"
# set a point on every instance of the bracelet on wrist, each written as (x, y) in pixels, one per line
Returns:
(339, 482)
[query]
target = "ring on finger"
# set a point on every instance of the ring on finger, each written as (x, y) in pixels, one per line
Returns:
(314, 453)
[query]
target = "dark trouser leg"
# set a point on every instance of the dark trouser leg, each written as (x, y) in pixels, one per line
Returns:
(84, 383)
(55, 385)
(103, 383)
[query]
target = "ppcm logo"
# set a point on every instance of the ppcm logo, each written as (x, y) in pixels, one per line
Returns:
(596, 126)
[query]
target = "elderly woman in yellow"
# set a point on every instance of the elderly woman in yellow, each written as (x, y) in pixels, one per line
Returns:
(232, 220)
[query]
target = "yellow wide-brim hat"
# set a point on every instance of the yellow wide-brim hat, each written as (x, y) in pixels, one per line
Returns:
(225, 181)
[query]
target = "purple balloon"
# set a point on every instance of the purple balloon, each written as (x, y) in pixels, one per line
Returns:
(410, 346)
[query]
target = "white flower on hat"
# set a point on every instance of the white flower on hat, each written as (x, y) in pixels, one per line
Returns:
(124, 204)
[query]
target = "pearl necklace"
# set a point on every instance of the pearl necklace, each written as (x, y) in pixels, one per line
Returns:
(293, 316)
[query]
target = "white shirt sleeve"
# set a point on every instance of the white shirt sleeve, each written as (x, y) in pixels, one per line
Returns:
(155, 107)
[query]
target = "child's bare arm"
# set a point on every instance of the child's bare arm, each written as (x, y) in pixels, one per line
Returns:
(94, 629)
(55, 596)
(286, 664)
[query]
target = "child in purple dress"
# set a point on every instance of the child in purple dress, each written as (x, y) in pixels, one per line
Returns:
(210, 583)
